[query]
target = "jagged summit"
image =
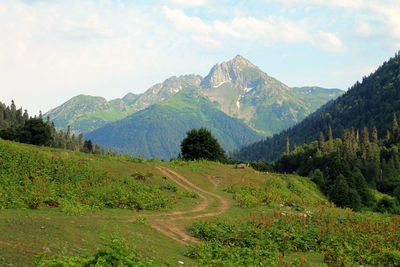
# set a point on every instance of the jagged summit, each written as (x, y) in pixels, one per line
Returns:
(232, 71)
(238, 87)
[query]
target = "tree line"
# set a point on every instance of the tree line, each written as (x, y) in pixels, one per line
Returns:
(17, 125)
(347, 168)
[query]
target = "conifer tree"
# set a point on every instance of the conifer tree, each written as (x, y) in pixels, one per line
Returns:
(374, 137)
(321, 141)
(388, 137)
(26, 116)
(287, 145)
(80, 140)
(330, 139)
(364, 143)
(13, 111)
(395, 130)
(97, 149)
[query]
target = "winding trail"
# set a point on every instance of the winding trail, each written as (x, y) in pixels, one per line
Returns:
(168, 223)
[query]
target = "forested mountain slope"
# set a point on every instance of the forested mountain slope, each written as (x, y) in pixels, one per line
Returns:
(369, 103)
(158, 130)
(85, 113)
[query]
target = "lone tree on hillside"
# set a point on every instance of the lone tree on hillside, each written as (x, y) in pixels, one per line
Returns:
(200, 144)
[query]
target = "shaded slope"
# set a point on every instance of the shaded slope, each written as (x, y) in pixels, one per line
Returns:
(158, 130)
(370, 103)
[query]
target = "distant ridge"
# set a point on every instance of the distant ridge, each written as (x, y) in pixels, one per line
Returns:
(238, 87)
(238, 102)
(373, 102)
(158, 130)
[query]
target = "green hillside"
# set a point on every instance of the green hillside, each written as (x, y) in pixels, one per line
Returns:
(84, 113)
(64, 208)
(369, 103)
(158, 130)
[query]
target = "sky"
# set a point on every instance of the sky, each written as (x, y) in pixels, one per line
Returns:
(53, 50)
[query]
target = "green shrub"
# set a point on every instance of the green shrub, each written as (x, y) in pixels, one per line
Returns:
(350, 240)
(115, 252)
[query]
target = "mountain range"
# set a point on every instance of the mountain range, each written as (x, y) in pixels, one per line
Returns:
(253, 104)
(372, 102)
(158, 130)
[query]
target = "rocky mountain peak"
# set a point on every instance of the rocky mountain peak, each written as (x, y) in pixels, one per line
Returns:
(240, 62)
(232, 71)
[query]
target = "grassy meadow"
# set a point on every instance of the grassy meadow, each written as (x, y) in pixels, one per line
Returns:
(64, 208)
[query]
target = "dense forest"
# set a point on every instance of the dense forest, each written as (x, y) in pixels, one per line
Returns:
(17, 125)
(369, 103)
(158, 130)
(345, 168)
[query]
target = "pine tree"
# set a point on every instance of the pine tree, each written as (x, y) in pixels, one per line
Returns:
(358, 136)
(13, 113)
(388, 137)
(26, 116)
(330, 139)
(80, 140)
(364, 143)
(287, 145)
(321, 141)
(374, 137)
(349, 145)
(97, 149)
(395, 130)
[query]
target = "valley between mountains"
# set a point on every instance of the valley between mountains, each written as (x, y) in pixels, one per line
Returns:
(331, 197)
(237, 101)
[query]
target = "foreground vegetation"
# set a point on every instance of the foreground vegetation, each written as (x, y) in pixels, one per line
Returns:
(109, 205)
(32, 177)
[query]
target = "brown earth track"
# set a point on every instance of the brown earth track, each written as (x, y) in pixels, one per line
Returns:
(169, 226)
(212, 181)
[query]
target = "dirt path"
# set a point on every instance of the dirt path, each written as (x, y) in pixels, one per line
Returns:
(169, 223)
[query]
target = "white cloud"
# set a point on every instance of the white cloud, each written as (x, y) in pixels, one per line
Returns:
(188, 3)
(329, 42)
(270, 30)
(371, 19)
(55, 50)
(184, 22)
